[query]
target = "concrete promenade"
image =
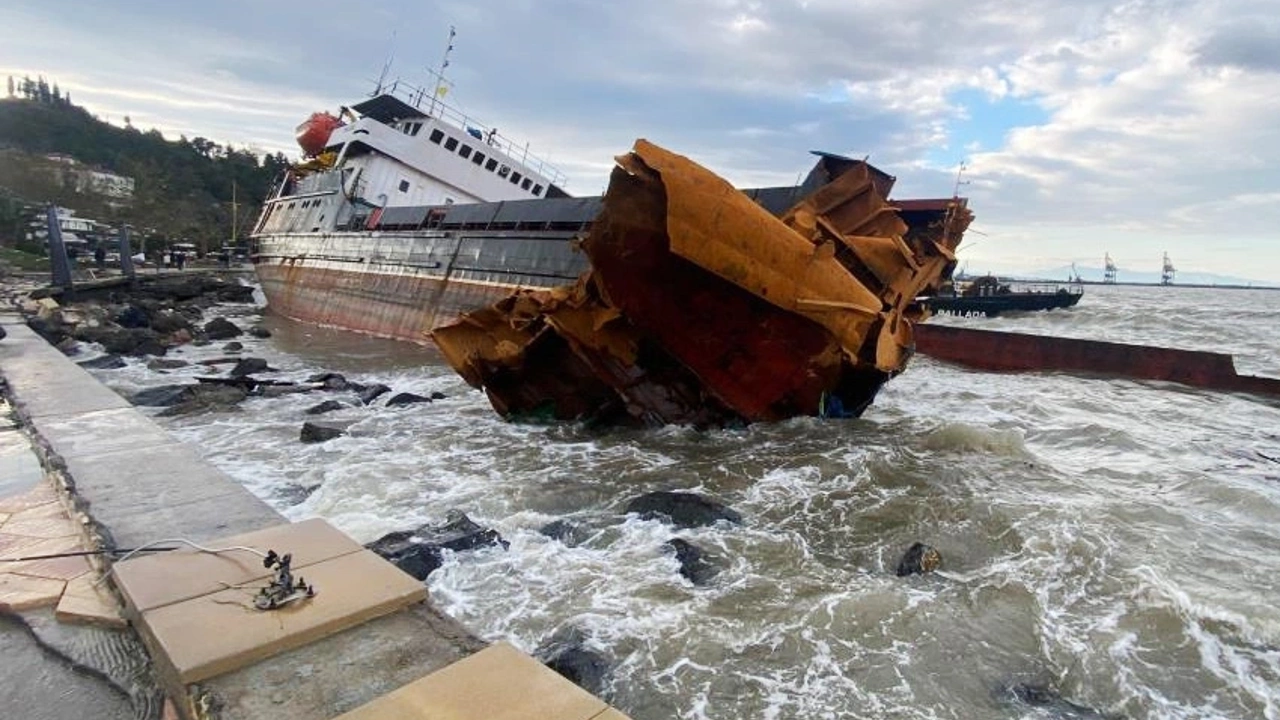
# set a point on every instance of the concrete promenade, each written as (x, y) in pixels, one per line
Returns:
(136, 484)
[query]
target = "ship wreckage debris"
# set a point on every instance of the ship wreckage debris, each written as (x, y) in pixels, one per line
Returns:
(703, 308)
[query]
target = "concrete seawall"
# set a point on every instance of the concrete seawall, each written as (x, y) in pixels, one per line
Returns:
(137, 485)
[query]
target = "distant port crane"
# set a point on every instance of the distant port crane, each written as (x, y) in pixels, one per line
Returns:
(1109, 275)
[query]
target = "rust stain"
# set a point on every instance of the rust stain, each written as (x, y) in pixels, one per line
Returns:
(702, 307)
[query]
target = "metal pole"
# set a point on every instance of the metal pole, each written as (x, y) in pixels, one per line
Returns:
(58, 260)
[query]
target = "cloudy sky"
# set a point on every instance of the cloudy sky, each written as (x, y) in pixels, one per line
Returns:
(1087, 127)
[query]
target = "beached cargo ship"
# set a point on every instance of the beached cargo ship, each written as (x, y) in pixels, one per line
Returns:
(409, 215)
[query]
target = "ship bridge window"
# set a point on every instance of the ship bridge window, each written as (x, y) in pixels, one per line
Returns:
(451, 143)
(515, 178)
(491, 165)
(478, 158)
(436, 136)
(537, 190)
(465, 151)
(404, 186)
(525, 185)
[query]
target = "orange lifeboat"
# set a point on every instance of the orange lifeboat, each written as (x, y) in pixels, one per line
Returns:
(313, 134)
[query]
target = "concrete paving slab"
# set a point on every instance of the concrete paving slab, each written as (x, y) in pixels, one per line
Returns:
(57, 568)
(40, 494)
(84, 602)
(39, 686)
(41, 523)
(19, 592)
(103, 431)
(343, 671)
(163, 579)
(45, 383)
(151, 494)
(214, 634)
(13, 546)
(497, 683)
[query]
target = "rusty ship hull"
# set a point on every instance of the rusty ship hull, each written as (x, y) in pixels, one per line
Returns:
(703, 307)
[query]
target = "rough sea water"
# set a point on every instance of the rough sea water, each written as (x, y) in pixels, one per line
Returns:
(1110, 548)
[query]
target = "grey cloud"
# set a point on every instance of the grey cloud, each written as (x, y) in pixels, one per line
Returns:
(1251, 45)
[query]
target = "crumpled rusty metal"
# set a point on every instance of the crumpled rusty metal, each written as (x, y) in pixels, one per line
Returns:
(701, 307)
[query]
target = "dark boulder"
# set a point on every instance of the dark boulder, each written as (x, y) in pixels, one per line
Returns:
(69, 346)
(293, 494)
(166, 364)
(132, 341)
(259, 332)
(693, 564)
(221, 329)
(233, 347)
(567, 653)
(162, 396)
(104, 362)
(568, 533)
(248, 366)
(324, 407)
(52, 332)
(682, 509)
(372, 392)
(919, 560)
(330, 381)
(207, 398)
(315, 433)
(3, 333)
(419, 552)
(1050, 701)
(400, 399)
(437, 395)
(132, 316)
(168, 321)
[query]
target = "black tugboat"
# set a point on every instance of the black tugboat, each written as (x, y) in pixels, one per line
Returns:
(989, 295)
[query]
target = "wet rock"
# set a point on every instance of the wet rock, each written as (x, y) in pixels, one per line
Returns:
(293, 494)
(182, 337)
(693, 564)
(166, 364)
(233, 347)
(259, 332)
(131, 341)
(1049, 700)
(568, 533)
(52, 331)
(162, 396)
(69, 346)
(682, 509)
(207, 398)
(919, 560)
(132, 316)
(372, 392)
(3, 333)
(437, 395)
(105, 362)
(330, 381)
(316, 433)
(221, 329)
(400, 399)
(168, 322)
(419, 552)
(567, 653)
(280, 390)
(248, 366)
(324, 407)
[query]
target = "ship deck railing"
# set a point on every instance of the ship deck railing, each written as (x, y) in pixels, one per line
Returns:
(437, 108)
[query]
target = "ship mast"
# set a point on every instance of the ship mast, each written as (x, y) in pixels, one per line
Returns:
(1166, 274)
(442, 85)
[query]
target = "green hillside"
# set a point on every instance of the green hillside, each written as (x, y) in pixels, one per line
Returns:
(182, 192)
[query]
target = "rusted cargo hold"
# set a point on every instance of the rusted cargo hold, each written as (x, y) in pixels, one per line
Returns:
(703, 307)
